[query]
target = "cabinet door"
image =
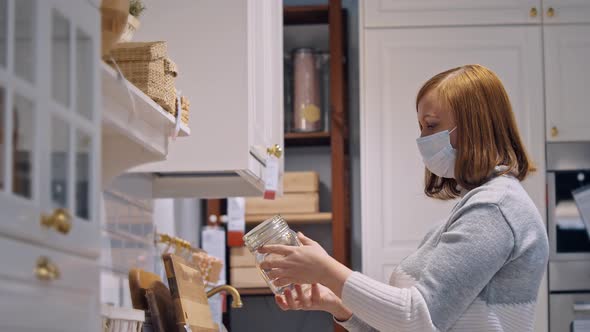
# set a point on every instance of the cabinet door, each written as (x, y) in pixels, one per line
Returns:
(265, 75)
(50, 126)
(397, 13)
(566, 11)
(396, 213)
(567, 77)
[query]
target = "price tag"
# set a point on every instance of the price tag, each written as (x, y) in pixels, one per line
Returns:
(236, 224)
(271, 177)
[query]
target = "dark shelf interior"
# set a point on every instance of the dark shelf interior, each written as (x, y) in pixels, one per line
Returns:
(307, 139)
(301, 15)
(255, 291)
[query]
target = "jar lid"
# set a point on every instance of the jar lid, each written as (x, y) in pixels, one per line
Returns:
(264, 232)
(303, 50)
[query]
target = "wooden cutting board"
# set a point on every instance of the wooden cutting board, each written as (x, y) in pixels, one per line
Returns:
(188, 293)
(139, 282)
(161, 307)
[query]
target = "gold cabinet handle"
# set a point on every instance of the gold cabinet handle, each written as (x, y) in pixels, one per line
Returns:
(275, 150)
(554, 131)
(533, 12)
(46, 270)
(60, 220)
(550, 12)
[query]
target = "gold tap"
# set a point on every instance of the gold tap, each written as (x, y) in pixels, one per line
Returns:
(236, 298)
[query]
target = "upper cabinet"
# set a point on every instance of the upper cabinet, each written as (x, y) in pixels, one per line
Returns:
(566, 11)
(397, 13)
(567, 78)
(230, 66)
(50, 123)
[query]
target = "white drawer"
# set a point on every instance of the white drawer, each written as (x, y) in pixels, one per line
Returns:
(33, 307)
(21, 262)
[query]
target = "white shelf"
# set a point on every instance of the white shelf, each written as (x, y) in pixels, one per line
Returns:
(136, 130)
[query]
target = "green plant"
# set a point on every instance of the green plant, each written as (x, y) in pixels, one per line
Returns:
(136, 7)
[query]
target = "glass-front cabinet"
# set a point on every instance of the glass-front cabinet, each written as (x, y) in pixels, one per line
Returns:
(49, 174)
(50, 123)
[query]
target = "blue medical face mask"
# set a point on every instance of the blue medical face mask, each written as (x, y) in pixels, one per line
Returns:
(438, 154)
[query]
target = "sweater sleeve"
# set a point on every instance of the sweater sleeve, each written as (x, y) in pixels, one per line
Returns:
(465, 259)
(354, 324)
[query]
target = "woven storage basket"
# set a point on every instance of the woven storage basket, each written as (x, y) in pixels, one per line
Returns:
(185, 107)
(147, 66)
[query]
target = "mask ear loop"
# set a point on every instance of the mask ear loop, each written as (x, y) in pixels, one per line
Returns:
(452, 130)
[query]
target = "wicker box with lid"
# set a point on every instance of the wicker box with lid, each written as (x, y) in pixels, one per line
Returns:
(147, 66)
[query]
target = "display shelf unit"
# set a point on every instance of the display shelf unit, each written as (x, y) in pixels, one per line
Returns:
(334, 17)
(293, 219)
(135, 130)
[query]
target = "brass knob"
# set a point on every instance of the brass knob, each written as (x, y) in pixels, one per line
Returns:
(45, 270)
(554, 131)
(550, 12)
(533, 12)
(60, 220)
(275, 150)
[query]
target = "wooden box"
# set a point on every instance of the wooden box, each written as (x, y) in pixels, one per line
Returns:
(247, 277)
(289, 203)
(301, 182)
(241, 257)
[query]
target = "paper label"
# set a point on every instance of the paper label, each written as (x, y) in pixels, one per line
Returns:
(213, 242)
(236, 224)
(271, 177)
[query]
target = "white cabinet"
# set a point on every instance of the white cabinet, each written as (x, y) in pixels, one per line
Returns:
(49, 154)
(566, 11)
(396, 213)
(397, 13)
(229, 56)
(567, 78)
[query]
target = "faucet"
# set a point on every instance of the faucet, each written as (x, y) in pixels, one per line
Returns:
(236, 298)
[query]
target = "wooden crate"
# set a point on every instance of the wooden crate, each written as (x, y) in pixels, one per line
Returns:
(289, 203)
(241, 257)
(301, 182)
(246, 277)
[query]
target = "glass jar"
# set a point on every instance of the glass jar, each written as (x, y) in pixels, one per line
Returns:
(272, 231)
(307, 112)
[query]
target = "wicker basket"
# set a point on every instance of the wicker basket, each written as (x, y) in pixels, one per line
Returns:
(185, 107)
(147, 66)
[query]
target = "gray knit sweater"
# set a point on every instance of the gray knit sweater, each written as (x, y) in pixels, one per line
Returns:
(479, 271)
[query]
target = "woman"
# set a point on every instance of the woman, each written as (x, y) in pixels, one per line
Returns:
(481, 269)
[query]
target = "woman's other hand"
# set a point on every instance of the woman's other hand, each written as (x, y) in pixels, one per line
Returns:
(316, 297)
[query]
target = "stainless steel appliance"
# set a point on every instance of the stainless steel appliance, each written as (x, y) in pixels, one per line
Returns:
(568, 168)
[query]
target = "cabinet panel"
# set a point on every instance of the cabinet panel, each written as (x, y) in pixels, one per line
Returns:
(567, 78)
(566, 11)
(397, 13)
(44, 164)
(396, 213)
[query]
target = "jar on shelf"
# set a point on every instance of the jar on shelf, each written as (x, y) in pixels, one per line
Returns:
(272, 231)
(307, 112)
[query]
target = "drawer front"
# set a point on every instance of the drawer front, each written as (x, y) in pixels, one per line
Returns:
(46, 268)
(33, 307)
(565, 309)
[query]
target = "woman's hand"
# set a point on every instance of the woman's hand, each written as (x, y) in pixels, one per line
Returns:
(307, 264)
(316, 297)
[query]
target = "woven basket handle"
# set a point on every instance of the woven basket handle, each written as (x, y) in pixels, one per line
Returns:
(170, 67)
